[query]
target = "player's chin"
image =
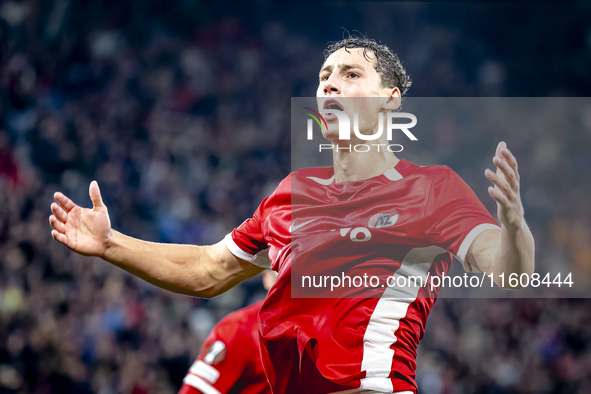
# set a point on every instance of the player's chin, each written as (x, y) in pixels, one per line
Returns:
(332, 140)
(332, 134)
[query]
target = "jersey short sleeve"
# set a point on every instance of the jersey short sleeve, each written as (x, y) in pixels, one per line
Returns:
(454, 216)
(221, 363)
(248, 239)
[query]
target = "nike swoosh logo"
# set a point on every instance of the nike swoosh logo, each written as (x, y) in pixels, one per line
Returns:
(293, 228)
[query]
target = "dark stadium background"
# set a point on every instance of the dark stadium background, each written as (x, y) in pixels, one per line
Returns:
(181, 111)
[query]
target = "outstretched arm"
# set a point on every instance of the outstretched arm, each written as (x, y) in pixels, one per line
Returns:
(199, 271)
(510, 250)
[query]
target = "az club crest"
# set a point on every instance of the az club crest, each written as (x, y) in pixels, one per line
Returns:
(383, 219)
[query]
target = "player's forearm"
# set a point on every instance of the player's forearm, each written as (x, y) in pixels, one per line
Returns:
(182, 269)
(515, 254)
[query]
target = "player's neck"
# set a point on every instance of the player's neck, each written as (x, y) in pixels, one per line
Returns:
(358, 166)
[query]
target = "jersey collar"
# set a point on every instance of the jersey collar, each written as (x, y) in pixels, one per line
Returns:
(395, 173)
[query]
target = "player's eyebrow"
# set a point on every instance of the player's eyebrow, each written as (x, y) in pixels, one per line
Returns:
(342, 66)
(346, 67)
(327, 68)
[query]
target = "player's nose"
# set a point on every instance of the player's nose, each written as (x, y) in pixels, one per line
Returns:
(330, 87)
(328, 90)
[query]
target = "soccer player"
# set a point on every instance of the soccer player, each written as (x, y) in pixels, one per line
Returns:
(325, 345)
(230, 360)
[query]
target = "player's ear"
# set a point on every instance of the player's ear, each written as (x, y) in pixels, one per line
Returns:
(394, 99)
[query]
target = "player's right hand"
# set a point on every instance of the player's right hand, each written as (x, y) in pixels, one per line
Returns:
(83, 230)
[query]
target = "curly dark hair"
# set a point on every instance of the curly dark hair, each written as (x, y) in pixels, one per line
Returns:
(388, 65)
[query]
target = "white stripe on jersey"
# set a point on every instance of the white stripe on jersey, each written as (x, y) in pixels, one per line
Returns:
(467, 242)
(200, 384)
(367, 391)
(385, 319)
(392, 174)
(205, 371)
(241, 254)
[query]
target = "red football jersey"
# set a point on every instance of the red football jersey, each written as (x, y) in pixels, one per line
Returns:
(230, 359)
(406, 222)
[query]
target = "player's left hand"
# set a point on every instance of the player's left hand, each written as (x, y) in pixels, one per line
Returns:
(506, 190)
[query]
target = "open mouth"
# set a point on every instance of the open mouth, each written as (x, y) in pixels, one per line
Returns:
(332, 104)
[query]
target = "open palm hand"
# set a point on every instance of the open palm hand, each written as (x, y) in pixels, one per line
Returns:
(506, 189)
(83, 230)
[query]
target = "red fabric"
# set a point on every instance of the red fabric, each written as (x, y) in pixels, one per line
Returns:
(316, 345)
(240, 369)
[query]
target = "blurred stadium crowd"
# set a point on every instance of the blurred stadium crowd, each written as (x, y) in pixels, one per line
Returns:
(182, 115)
